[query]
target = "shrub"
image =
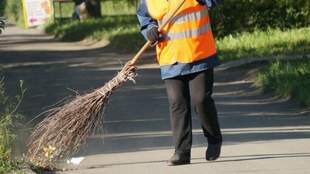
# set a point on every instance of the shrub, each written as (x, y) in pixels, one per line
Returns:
(2, 5)
(235, 16)
(12, 9)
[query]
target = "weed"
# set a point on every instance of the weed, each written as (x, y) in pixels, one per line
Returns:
(8, 118)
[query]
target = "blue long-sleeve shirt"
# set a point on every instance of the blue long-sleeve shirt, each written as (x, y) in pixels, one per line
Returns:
(177, 69)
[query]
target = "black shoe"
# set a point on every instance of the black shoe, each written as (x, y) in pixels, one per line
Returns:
(213, 152)
(180, 159)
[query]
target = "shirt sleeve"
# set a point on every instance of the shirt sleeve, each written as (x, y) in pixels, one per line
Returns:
(145, 20)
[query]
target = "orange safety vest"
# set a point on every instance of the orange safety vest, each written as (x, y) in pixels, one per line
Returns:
(188, 37)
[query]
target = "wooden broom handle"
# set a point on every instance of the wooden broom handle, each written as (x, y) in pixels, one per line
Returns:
(148, 43)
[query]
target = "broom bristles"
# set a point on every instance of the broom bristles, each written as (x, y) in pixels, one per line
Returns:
(66, 128)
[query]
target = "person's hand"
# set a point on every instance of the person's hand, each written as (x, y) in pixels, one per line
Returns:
(153, 35)
(201, 2)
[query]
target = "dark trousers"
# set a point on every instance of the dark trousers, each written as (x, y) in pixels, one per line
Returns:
(196, 89)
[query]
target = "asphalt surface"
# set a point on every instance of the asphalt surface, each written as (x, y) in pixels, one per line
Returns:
(262, 134)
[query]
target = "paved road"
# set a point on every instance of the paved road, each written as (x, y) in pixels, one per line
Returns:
(262, 134)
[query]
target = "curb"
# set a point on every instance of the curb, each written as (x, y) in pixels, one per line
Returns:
(245, 61)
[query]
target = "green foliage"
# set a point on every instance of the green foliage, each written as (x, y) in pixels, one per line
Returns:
(13, 10)
(287, 79)
(108, 8)
(8, 118)
(64, 10)
(235, 16)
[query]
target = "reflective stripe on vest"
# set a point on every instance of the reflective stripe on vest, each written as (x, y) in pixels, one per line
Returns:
(187, 33)
(187, 17)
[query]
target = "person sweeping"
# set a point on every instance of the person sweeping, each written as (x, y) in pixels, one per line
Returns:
(67, 125)
(186, 53)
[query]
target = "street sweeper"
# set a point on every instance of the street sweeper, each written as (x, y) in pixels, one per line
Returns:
(186, 53)
(181, 31)
(66, 126)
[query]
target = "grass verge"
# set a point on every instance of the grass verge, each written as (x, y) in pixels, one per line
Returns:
(123, 33)
(272, 42)
(287, 79)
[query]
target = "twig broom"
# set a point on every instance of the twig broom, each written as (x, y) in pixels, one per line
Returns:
(67, 127)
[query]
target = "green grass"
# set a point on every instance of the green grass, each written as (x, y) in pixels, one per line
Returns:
(272, 42)
(123, 33)
(287, 79)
